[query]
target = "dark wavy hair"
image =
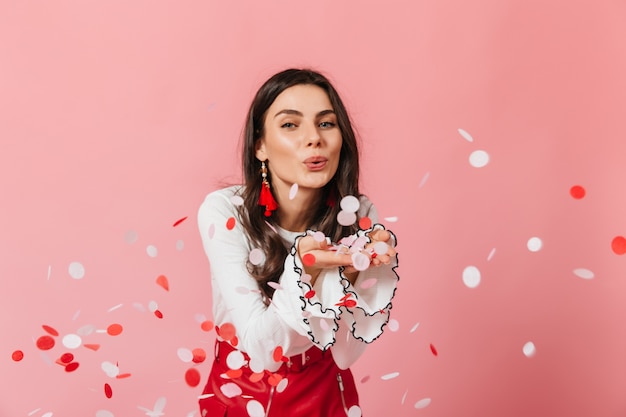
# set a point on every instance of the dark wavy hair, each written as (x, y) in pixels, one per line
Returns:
(345, 181)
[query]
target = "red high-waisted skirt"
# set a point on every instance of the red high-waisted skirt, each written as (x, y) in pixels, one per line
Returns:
(314, 387)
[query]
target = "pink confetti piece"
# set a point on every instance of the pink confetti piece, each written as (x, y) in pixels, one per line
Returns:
(293, 191)
(231, 390)
(423, 403)
(163, 282)
(466, 135)
(346, 218)
(255, 409)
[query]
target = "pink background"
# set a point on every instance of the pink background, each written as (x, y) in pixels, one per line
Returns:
(117, 118)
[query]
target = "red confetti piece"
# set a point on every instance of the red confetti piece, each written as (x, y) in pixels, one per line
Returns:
(345, 297)
(374, 255)
(71, 367)
(234, 373)
(207, 325)
(234, 341)
(577, 192)
(256, 377)
(17, 356)
(308, 259)
(158, 314)
(226, 331)
(619, 245)
(67, 358)
(179, 221)
(278, 354)
(350, 303)
(365, 223)
(192, 377)
(50, 330)
(92, 346)
(274, 379)
(163, 282)
(115, 329)
(433, 350)
(123, 376)
(310, 294)
(199, 355)
(108, 391)
(45, 343)
(230, 223)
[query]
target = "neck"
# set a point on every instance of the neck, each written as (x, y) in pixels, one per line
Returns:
(296, 215)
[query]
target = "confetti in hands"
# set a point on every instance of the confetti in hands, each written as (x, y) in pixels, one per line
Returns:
(353, 253)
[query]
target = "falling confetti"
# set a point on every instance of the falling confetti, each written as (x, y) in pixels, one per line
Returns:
(309, 294)
(354, 411)
(67, 358)
(108, 391)
(50, 330)
(529, 349)
(534, 244)
(293, 191)
(227, 331)
(471, 276)
(230, 223)
(391, 219)
(391, 375)
(115, 329)
(152, 251)
(393, 325)
(346, 218)
(433, 350)
(179, 221)
(360, 261)
(230, 390)
(414, 328)
(365, 223)
(45, 343)
(424, 179)
(71, 367)
(255, 409)
(192, 377)
(163, 282)
(130, 237)
(308, 259)
(104, 413)
(583, 273)
(423, 403)
(237, 200)
(180, 245)
(199, 355)
(256, 256)
(466, 135)
(110, 369)
(17, 355)
(350, 204)
(184, 355)
(235, 360)
(76, 270)
(207, 325)
(619, 245)
(479, 159)
(577, 192)
(491, 253)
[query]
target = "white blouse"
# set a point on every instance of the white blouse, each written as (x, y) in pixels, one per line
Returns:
(332, 314)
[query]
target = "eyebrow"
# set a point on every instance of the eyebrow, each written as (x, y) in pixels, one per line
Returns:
(298, 113)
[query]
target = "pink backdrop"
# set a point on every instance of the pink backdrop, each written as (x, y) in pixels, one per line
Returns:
(118, 117)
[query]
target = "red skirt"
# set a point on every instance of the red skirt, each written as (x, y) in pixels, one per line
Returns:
(314, 387)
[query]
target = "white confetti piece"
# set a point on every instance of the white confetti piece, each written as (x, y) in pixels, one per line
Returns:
(282, 385)
(115, 307)
(424, 179)
(139, 307)
(381, 248)
(306, 278)
(389, 376)
(423, 403)
(354, 411)
(236, 200)
(479, 159)
(34, 411)
(199, 318)
(490, 256)
(180, 245)
(256, 364)
(152, 251)
(110, 369)
(255, 409)
(153, 306)
(471, 276)
(72, 341)
(529, 349)
(86, 330)
(350, 203)
(230, 390)
(534, 244)
(130, 237)
(319, 236)
(394, 325)
(235, 360)
(48, 414)
(104, 413)
(466, 135)
(360, 261)
(184, 354)
(404, 397)
(414, 328)
(49, 271)
(583, 273)
(346, 218)
(391, 219)
(256, 256)
(76, 270)
(293, 191)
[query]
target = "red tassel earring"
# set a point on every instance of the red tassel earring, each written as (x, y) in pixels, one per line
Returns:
(266, 198)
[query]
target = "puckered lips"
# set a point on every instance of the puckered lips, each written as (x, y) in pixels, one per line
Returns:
(316, 163)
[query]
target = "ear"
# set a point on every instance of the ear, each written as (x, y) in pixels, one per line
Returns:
(261, 155)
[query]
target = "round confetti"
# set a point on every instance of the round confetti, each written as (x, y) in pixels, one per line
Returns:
(153, 306)
(381, 248)
(346, 218)
(306, 278)
(192, 377)
(255, 409)
(583, 273)
(227, 331)
(72, 341)
(104, 413)
(529, 349)
(130, 236)
(67, 358)
(184, 354)
(466, 135)
(115, 329)
(293, 191)
(256, 365)
(235, 360)
(256, 256)
(534, 244)
(479, 159)
(110, 369)
(309, 294)
(391, 375)
(274, 379)
(230, 223)
(237, 200)
(368, 283)
(180, 245)
(308, 259)
(360, 261)
(350, 203)
(207, 325)
(278, 354)
(577, 192)
(17, 355)
(619, 245)
(393, 325)
(199, 355)
(354, 411)
(471, 276)
(152, 251)
(365, 223)
(108, 391)
(282, 385)
(230, 390)
(319, 236)
(71, 367)
(423, 403)
(76, 270)
(45, 343)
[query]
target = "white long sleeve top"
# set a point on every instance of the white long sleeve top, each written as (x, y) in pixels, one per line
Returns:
(299, 316)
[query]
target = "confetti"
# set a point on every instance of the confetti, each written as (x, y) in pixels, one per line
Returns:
(365, 379)
(67, 358)
(152, 251)
(92, 346)
(130, 237)
(471, 276)
(110, 369)
(274, 379)
(360, 261)
(404, 397)
(180, 245)
(278, 354)
(230, 223)
(319, 236)
(71, 367)
(115, 307)
(577, 192)
(583, 273)
(354, 411)
(230, 390)
(282, 385)
(115, 329)
(350, 204)
(50, 330)
(237, 200)
(491, 253)
(393, 325)
(122, 376)
(293, 191)
(235, 360)
(423, 403)
(256, 256)
(199, 355)
(207, 325)
(306, 278)
(234, 373)
(389, 376)
(163, 282)
(619, 245)
(226, 331)
(414, 328)
(104, 413)
(424, 179)
(534, 244)
(255, 409)
(179, 221)
(308, 259)
(108, 391)
(433, 349)
(158, 314)
(76, 270)
(309, 294)
(184, 354)
(17, 355)
(346, 218)
(391, 219)
(192, 377)
(45, 343)
(529, 349)
(381, 248)
(365, 223)
(479, 159)
(466, 135)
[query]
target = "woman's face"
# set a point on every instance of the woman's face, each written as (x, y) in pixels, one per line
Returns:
(301, 140)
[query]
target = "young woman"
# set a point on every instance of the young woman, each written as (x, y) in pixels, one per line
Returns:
(302, 274)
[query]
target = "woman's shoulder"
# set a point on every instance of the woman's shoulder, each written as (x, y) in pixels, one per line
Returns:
(223, 198)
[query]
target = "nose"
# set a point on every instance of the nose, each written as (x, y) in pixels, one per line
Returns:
(313, 138)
